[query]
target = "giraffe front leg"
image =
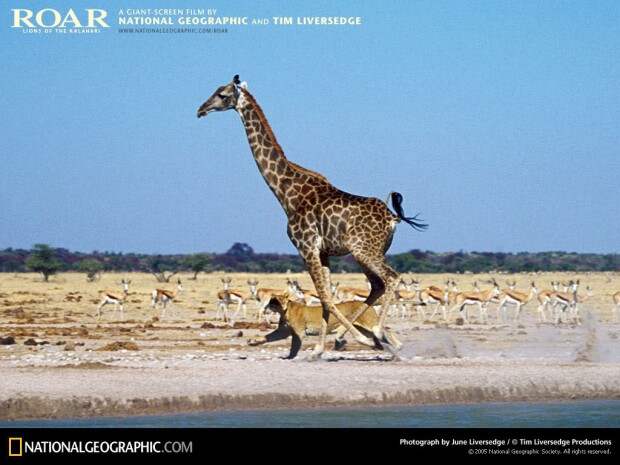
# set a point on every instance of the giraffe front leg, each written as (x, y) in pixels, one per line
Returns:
(319, 348)
(315, 268)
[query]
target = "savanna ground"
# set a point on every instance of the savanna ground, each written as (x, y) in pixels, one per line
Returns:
(59, 360)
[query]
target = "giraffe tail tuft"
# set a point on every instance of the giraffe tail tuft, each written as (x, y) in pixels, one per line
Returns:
(413, 221)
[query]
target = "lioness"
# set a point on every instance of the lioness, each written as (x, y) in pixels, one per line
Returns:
(298, 320)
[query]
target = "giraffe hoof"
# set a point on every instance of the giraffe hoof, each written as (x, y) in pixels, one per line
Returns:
(366, 341)
(340, 344)
(314, 357)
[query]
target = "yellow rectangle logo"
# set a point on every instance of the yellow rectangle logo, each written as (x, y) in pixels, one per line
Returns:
(15, 447)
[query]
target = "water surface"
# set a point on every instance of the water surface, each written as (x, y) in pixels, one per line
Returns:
(578, 414)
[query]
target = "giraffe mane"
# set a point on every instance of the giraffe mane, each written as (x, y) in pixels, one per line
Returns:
(303, 170)
(263, 120)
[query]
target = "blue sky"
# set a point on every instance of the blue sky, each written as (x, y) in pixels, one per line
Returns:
(497, 120)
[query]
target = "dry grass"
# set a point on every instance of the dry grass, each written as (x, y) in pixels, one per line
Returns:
(63, 310)
(60, 350)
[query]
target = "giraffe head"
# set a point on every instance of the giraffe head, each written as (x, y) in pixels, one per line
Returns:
(224, 98)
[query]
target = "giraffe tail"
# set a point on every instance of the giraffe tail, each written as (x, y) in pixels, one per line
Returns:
(413, 221)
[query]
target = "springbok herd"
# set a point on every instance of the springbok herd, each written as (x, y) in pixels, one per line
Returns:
(560, 303)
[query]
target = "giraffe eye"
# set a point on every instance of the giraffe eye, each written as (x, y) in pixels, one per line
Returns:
(222, 96)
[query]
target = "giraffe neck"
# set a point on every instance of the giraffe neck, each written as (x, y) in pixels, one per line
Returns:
(280, 174)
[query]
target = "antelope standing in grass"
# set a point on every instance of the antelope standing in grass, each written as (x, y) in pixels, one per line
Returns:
(511, 285)
(517, 298)
(229, 296)
(453, 292)
(581, 300)
(263, 296)
(433, 295)
(544, 300)
(570, 301)
(565, 300)
(311, 297)
(481, 299)
(296, 292)
(353, 293)
(403, 295)
(420, 298)
(164, 296)
(616, 308)
(114, 297)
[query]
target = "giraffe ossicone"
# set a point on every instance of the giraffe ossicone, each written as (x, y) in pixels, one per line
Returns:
(323, 221)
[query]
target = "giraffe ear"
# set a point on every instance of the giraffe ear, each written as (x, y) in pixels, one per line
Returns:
(243, 85)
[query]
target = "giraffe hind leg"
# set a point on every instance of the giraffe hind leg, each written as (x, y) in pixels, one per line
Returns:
(377, 289)
(384, 278)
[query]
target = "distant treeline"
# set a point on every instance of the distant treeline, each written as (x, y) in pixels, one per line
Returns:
(241, 257)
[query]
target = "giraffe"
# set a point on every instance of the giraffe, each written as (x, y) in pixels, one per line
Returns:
(323, 221)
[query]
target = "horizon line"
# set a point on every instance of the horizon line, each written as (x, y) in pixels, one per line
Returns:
(296, 254)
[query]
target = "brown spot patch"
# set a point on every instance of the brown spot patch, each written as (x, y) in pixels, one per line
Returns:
(119, 345)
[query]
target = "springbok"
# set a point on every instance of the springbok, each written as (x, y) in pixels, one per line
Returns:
(264, 294)
(563, 301)
(580, 300)
(570, 301)
(403, 295)
(163, 296)
(544, 300)
(311, 297)
(229, 296)
(433, 295)
(354, 293)
(481, 299)
(511, 285)
(513, 297)
(114, 297)
(616, 308)
(453, 292)
(419, 298)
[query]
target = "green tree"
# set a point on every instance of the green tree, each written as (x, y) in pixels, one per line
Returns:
(43, 260)
(196, 263)
(92, 268)
(159, 265)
